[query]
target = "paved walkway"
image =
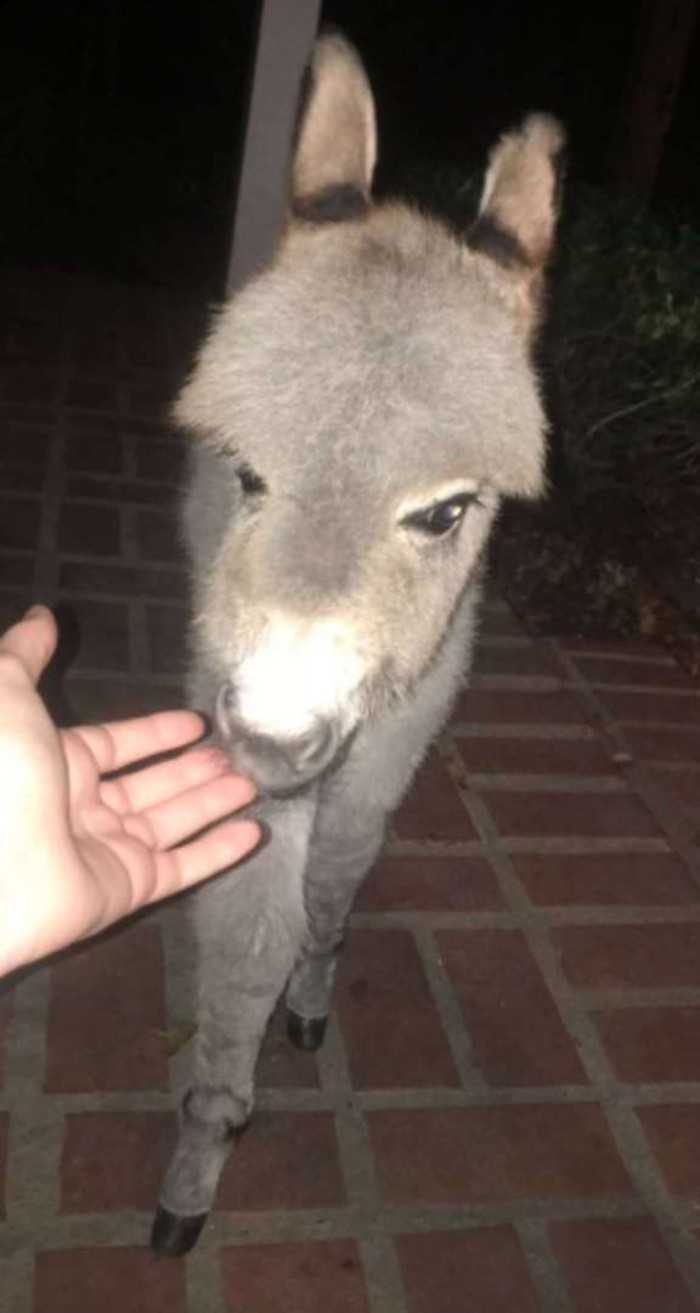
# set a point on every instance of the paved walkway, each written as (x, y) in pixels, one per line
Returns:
(505, 1117)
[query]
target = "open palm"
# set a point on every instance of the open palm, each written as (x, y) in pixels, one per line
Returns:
(80, 850)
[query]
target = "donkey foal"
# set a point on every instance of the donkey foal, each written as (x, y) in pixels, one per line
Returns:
(357, 411)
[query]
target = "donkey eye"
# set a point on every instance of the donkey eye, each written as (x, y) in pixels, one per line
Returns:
(250, 482)
(438, 519)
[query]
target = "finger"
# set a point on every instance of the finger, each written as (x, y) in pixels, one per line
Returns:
(124, 741)
(33, 640)
(171, 822)
(146, 788)
(214, 852)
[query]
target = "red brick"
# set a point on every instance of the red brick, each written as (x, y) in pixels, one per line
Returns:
(6, 1011)
(19, 522)
(622, 1264)
(662, 744)
(107, 1281)
(27, 413)
(530, 756)
(630, 956)
(128, 580)
(92, 394)
(448, 884)
(24, 446)
(618, 879)
(17, 571)
(95, 530)
(602, 647)
(495, 1155)
(157, 532)
(114, 489)
(500, 622)
(286, 1160)
(107, 1019)
(4, 1129)
(168, 630)
(680, 790)
(30, 385)
(110, 699)
(528, 659)
(114, 1160)
(159, 460)
(673, 1133)
(281, 1065)
(599, 815)
(605, 670)
(390, 1024)
(511, 707)
(104, 635)
(652, 1044)
(438, 1268)
(515, 1027)
(306, 1278)
(104, 427)
(19, 478)
(151, 400)
(433, 808)
(674, 708)
(86, 451)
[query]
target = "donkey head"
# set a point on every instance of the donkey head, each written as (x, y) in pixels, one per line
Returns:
(370, 395)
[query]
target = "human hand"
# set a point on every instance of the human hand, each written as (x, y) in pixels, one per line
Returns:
(78, 852)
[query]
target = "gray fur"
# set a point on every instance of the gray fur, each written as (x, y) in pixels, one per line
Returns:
(378, 366)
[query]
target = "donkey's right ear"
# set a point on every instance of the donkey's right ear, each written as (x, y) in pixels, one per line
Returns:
(336, 148)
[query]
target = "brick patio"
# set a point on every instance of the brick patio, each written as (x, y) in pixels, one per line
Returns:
(505, 1117)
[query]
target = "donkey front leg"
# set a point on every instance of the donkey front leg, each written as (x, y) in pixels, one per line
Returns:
(340, 857)
(250, 930)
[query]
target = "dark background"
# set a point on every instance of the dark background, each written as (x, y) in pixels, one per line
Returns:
(122, 124)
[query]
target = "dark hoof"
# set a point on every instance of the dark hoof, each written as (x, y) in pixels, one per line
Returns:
(306, 1033)
(173, 1235)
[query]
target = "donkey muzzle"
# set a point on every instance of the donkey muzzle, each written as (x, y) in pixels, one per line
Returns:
(276, 764)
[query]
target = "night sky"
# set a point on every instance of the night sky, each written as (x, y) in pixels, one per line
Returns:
(124, 120)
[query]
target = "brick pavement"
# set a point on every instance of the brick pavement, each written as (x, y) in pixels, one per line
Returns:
(506, 1113)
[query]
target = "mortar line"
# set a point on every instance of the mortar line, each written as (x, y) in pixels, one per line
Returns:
(624, 1126)
(548, 1278)
(449, 1011)
(379, 1262)
(640, 782)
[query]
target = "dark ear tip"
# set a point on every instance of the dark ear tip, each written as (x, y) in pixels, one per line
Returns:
(488, 237)
(332, 205)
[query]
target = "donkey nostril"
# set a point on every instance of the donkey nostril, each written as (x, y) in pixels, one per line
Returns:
(225, 707)
(298, 755)
(315, 747)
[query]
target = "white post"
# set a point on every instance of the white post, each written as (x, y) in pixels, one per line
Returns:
(286, 33)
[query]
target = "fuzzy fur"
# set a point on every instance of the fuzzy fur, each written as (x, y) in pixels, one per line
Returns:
(379, 366)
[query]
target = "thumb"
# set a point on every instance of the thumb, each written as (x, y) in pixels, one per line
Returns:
(32, 640)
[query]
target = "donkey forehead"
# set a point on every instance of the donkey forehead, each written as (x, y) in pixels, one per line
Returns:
(384, 349)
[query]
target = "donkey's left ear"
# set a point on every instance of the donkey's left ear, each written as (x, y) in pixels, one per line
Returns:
(519, 208)
(336, 147)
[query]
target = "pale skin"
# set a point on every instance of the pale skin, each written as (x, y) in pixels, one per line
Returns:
(78, 852)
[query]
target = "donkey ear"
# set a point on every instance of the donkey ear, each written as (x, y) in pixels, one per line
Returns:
(519, 207)
(337, 141)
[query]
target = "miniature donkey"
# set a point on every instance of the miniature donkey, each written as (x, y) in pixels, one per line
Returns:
(357, 411)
